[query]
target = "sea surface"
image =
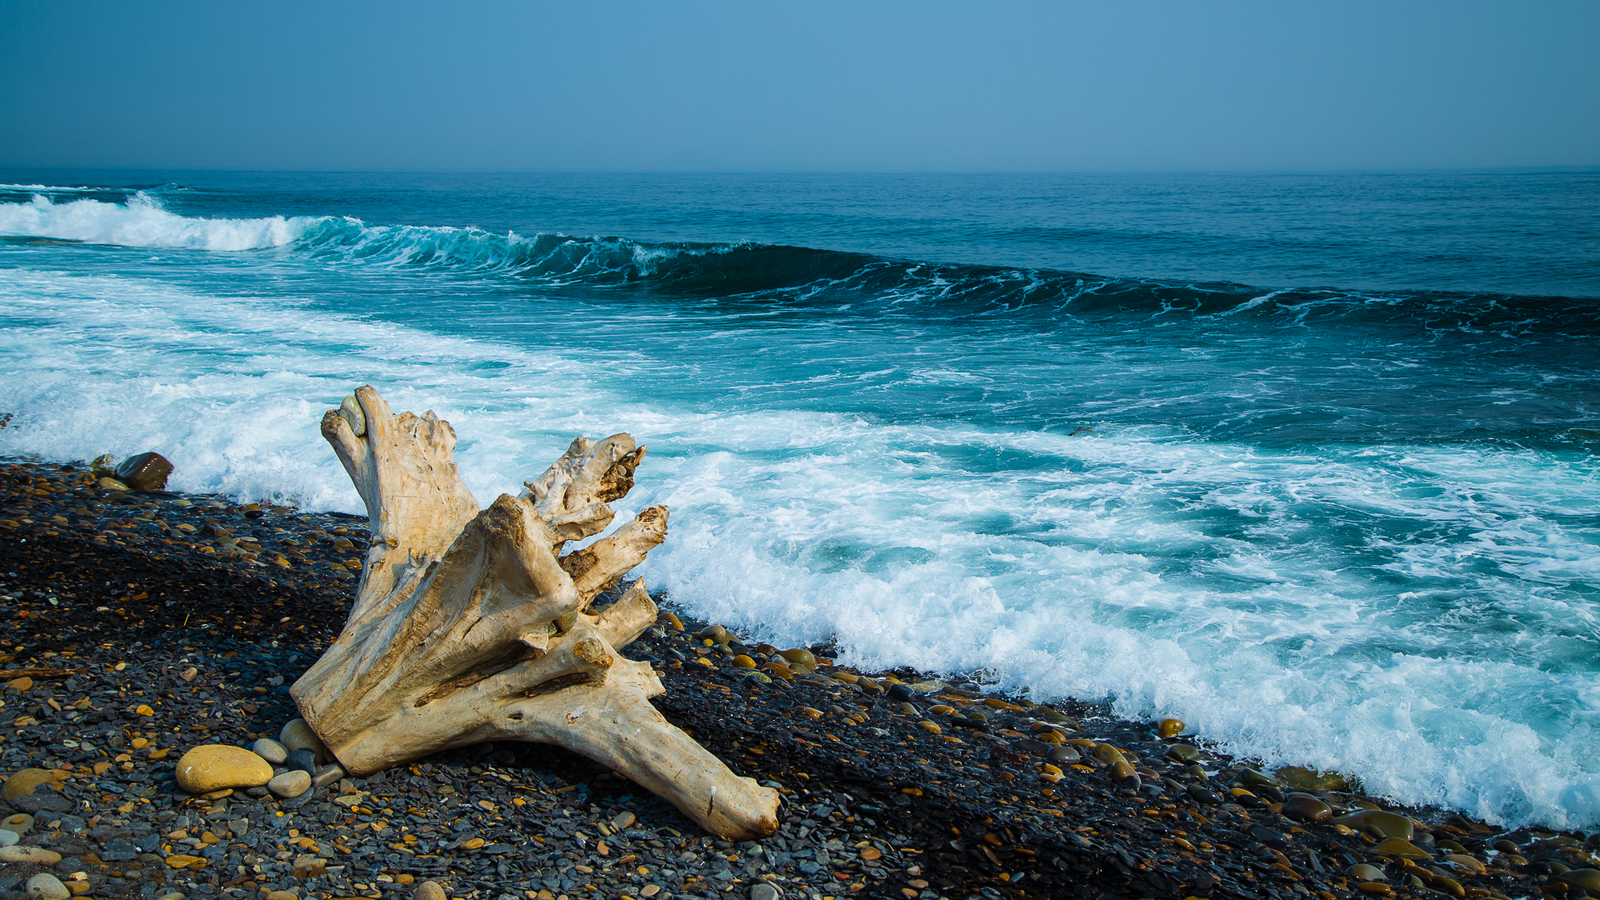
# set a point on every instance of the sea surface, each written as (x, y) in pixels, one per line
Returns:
(1307, 461)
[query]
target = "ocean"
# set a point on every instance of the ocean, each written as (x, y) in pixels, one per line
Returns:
(1306, 461)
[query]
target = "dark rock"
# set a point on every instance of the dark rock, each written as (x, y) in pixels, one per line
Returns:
(43, 802)
(145, 472)
(304, 759)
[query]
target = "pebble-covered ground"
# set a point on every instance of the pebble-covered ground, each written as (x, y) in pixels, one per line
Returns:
(134, 627)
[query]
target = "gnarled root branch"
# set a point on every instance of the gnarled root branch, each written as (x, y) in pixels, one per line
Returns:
(472, 625)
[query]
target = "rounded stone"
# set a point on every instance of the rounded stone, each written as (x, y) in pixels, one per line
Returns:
(744, 662)
(29, 855)
(763, 891)
(1401, 848)
(1588, 879)
(1064, 753)
(271, 751)
(1108, 754)
(800, 658)
(292, 783)
(45, 886)
(428, 890)
(283, 895)
(1256, 778)
(212, 767)
(1170, 727)
(297, 734)
(9, 838)
(20, 823)
(1307, 807)
(930, 727)
(1387, 824)
(26, 781)
(1183, 753)
(328, 774)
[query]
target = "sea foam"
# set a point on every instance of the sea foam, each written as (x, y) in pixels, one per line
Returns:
(142, 222)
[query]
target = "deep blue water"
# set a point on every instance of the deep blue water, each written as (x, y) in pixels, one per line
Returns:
(1307, 461)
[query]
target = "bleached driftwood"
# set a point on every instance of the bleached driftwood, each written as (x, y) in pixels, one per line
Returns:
(471, 625)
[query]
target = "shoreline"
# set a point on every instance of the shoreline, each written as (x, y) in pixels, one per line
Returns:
(964, 794)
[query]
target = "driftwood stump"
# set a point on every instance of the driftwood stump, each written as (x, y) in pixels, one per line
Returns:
(471, 625)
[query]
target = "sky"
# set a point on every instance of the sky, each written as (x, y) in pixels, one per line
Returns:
(816, 86)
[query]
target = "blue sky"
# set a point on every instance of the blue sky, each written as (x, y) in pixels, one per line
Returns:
(814, 86)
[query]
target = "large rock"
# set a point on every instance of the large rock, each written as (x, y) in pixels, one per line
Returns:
(145, 472)
(26, 781)
(212, 767)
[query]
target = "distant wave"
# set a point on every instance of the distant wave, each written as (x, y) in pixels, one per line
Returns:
(142, 222)
(779, 275)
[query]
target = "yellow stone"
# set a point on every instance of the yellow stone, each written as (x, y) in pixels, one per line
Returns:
(184, 861)
(143, 710)
(941, 710)
(21, 684)
(212, 767)
(744, 662)
(26, 781)
(800, 658)
(930, 727)
(1170, 727)
(1108, 754)
(472, 844)
(1471, 863)
(403, 878)
(1399, 847)
(1387, 824)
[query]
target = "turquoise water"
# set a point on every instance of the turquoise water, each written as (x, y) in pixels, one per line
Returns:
(1306, 461)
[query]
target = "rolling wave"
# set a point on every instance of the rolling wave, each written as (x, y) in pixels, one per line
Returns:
(770, 274)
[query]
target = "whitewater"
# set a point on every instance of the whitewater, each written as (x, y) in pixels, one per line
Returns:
(1314, 479)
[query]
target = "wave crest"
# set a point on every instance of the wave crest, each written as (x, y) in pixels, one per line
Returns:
(143, 222)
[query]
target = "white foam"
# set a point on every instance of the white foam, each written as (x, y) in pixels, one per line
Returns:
(141, 222)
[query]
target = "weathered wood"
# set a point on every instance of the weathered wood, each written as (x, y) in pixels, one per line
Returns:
(472, 625)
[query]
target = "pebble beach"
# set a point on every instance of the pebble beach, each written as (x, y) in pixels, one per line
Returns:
(138, 626)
